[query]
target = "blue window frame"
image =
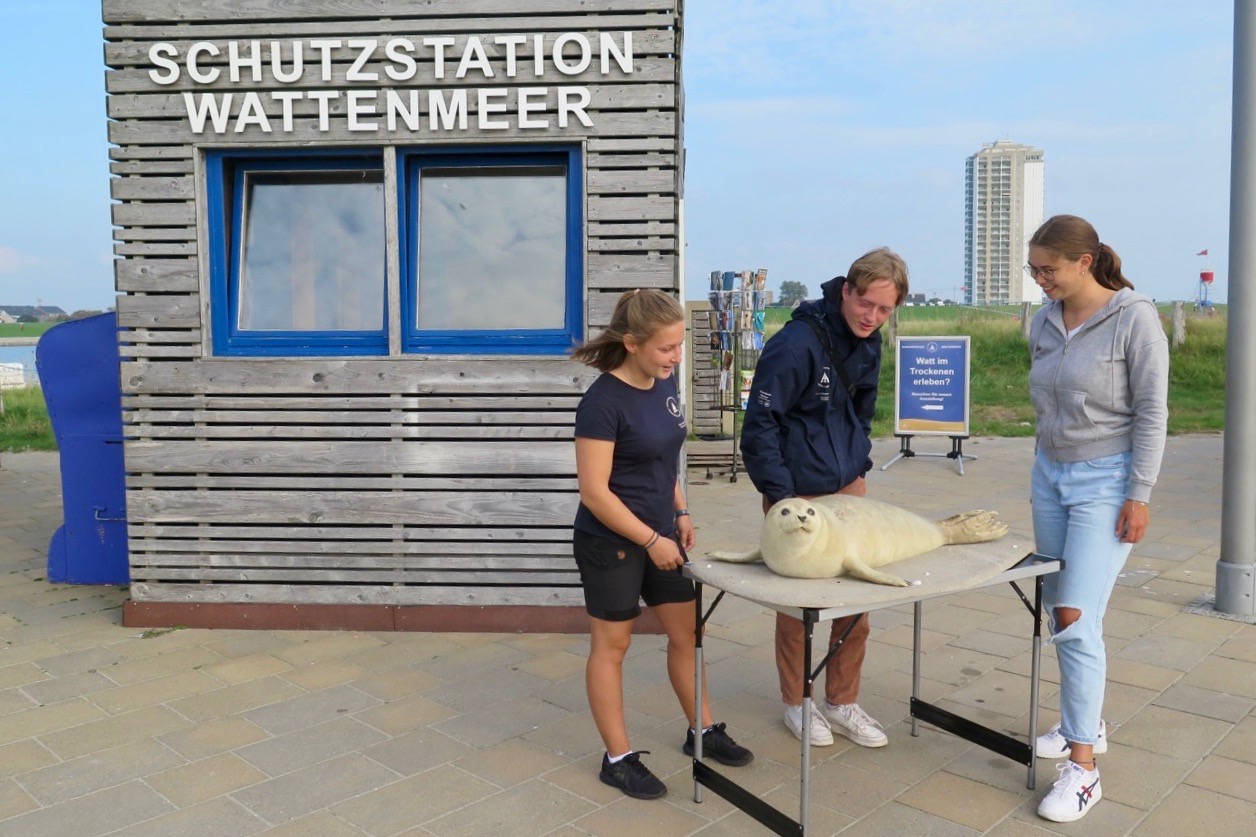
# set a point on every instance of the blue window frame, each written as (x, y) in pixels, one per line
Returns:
(298, 253)
(491, 250)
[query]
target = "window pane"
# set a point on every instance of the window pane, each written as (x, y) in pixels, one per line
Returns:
(313, 252)
(492, 248)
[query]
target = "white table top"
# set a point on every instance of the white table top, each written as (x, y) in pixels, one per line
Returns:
(947, 569)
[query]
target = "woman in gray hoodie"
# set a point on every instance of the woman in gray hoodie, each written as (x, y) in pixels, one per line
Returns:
(1099, 382)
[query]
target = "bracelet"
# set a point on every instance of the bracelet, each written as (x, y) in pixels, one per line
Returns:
(1140, 502)
(682, 512)
(650, 542)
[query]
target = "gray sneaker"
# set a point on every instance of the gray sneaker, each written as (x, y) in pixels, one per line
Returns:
(820, 734)
(856, 724)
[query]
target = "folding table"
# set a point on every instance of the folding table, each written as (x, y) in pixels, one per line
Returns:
(947, 570)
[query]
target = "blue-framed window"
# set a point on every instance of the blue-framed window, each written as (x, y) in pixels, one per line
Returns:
(298, 253)
(491, 250)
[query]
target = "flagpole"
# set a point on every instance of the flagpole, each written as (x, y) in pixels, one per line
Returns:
(1199, 288)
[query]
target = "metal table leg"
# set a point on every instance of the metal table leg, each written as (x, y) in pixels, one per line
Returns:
(808, 677)
(697, 685)
(1035, 673)
(915, 665)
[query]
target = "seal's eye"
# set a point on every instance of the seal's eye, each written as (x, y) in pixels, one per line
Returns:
(811, 512)
(784, 512)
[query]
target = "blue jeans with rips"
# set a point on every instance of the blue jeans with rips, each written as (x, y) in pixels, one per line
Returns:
(1075, 510)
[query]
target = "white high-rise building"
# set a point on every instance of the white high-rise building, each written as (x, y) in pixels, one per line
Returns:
(1003, 205)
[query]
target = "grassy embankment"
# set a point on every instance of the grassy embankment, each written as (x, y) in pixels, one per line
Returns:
(24, 423)
(999, 396)
(24, 329)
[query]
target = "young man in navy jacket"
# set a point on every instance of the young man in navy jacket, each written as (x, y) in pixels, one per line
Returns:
(807, 432)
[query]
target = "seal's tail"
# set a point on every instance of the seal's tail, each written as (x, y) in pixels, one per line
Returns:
(973, 527)
(738, 557)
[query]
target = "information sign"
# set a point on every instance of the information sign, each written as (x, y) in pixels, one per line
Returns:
(931, 386)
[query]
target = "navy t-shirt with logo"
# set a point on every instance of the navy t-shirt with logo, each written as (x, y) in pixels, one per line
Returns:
(648, 429)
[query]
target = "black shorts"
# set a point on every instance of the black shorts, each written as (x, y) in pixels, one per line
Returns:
(615, 574)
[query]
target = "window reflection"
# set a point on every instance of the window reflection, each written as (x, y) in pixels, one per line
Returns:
(313, 252)
(492, 248)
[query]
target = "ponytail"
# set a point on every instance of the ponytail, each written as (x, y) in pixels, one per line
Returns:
(1107, 269)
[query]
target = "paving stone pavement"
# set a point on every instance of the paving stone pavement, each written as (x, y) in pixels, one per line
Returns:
(110, 730)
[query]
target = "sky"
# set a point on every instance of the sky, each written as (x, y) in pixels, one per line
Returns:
(815, 130)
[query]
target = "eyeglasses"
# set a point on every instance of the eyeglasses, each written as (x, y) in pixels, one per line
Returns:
(865, 306)
(1047, 273)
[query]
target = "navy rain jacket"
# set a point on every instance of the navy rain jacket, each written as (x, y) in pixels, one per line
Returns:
(803, 434)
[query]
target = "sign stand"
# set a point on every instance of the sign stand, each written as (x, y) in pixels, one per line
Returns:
(905, 452)
(931, 394)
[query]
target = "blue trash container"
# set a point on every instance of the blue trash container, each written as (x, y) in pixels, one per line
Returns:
(80, 372)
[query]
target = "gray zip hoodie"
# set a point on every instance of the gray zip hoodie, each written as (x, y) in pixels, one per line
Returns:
(1105, 391)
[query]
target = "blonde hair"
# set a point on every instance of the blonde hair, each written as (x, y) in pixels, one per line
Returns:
(881, 263)
(638, 313)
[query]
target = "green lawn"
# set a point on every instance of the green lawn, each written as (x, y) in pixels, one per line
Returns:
(998, 386)
(999, 395)
(24, 329)
(24, 423)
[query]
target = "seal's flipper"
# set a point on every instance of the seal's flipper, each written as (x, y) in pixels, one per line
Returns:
(738, 557)
(973, 527)
(859, 569)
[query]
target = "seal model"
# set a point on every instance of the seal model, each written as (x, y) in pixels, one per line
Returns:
(840, 534)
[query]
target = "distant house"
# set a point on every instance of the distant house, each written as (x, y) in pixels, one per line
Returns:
(914, 299)
(12, 376)
(42, 313)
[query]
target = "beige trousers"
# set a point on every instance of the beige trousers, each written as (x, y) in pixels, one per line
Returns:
(842, 672)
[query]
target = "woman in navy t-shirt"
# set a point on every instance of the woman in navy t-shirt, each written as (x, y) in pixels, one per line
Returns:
(632, 527)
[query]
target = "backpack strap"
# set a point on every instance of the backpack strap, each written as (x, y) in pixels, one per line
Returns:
(839, 366)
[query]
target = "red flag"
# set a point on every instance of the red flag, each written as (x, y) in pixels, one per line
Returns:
(1202, 253)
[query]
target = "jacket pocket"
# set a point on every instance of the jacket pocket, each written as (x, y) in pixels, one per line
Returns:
(1073, 414)
(808, 456)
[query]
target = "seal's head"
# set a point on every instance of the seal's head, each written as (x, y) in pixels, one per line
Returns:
(793, 538)
(794, 522)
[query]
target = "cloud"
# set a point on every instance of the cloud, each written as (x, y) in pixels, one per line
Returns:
(12, 260)
(1069, 58)
(761, 41)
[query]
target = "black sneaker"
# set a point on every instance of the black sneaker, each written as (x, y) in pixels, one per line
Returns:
(720, 746)
(632, 777)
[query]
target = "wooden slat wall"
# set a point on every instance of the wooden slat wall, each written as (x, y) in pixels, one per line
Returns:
(704, 393)
(401, 480)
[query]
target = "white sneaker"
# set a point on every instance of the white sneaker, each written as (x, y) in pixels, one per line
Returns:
(1052, 745)
(820, 734)
(1073, 794)
(855, 724)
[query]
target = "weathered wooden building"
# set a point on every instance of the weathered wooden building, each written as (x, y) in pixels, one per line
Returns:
(358, 239)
